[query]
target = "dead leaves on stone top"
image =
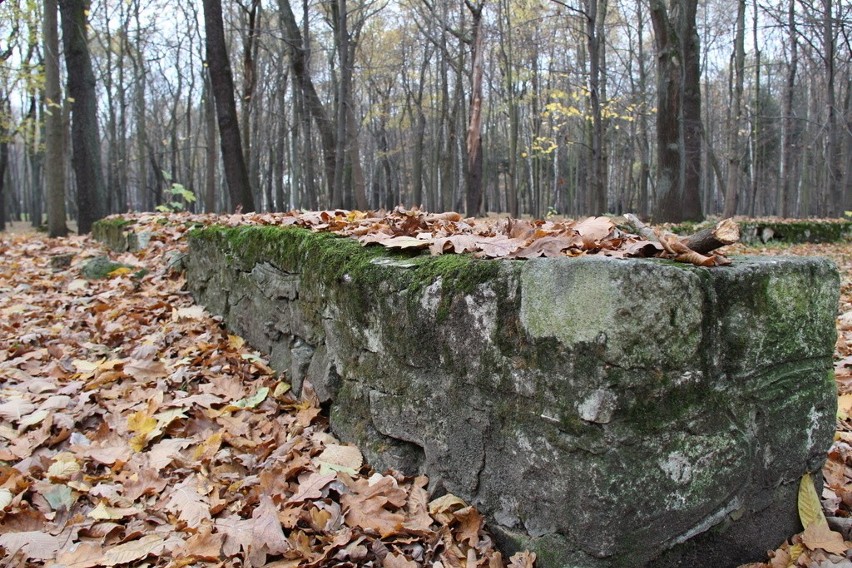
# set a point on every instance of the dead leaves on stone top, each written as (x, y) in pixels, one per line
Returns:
(450, 233)
(135, 431)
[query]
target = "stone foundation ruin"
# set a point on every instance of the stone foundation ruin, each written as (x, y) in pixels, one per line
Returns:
(600, 412)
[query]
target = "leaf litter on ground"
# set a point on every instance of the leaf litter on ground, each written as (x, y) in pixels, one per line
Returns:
(134, 430)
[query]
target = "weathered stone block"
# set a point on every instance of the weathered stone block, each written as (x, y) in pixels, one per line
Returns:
(602, 412)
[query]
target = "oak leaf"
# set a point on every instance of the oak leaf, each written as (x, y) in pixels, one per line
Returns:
(133, 550)
(404, 243)
(819, 536)
(204, 545)
(366, 505)
(471, 522)
(594, 229)
(394, 560)
(266, 527)
(146, 370)
(522, 560)
(188, 503)
(36, 545)
(310, 487)
(337, 457)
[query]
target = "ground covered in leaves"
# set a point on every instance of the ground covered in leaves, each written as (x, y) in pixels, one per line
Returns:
(134, 430)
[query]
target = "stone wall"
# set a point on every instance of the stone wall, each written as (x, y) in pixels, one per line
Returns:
(600, 412)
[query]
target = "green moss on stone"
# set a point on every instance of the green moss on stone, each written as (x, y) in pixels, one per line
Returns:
(100, 267)
(114, 222)
(325, 259)
(800, 231)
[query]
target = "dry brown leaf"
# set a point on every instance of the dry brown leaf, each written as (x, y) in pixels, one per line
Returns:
(187, 501)
(395, 560)
(522, 560)
(143, 370)
(341, 458)
(819, 536)
(311, 487)
(266, 527)
(133, 550)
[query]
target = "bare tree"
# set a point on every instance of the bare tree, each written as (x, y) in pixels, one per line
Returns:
(678, 111)
(735, 116)
(91, 192)
(222, 82)
(54, 129)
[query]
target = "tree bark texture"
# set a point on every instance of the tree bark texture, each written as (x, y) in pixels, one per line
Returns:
(669, 66)
(85, 138)
(222, 81)
(474, 126)
(735, 123)
(54, 173)
(678, 111)
(595, 15)
(4, 161)
(690, 119)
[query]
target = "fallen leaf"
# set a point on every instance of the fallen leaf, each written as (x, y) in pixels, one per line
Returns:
(189, 503)
(133, 550)
(819, 536)
(810, 508)
(394, 560)
(266, 528)
(311, 487)
(146, 370)
(337, 457)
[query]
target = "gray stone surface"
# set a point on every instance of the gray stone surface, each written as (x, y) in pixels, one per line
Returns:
(601, 412)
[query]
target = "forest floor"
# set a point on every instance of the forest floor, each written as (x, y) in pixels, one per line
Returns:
(134, 430)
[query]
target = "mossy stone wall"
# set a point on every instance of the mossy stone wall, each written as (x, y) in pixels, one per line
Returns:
(602, 412)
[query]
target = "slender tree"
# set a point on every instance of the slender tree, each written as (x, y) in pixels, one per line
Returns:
(474, 128)
(310, 98)
(54, 151)
(4, 160)
(222, 82)
(735, 150)
(85, 138)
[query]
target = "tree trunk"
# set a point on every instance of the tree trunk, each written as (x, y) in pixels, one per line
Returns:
(644, 143)
(299, 64)
(835, 190)
(4, 157)
(595, 16)
(212, 156)
(678, 111)
(690, 117)
(249, 74)
(4, 161)
(222, 82)
(847, 180)
(474, 126)
(757, 117)
(668, 207)
(735, 123)
(54, 175)
(789, 188)
(86, 159)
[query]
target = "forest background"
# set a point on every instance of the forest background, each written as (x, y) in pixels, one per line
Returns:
(673, 109)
